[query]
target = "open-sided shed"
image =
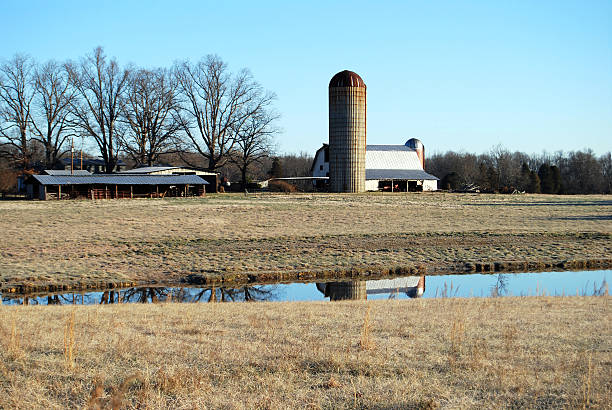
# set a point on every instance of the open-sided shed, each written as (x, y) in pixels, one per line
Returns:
(108, 186)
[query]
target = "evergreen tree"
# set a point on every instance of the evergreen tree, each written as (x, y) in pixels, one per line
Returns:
(534, 183)
(493, 178)
(524, 177)
(556, 179)
(546, 179)
(277, 170)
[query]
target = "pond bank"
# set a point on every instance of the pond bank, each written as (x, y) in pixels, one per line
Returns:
(236, 280)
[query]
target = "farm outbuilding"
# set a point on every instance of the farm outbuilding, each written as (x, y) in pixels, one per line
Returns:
(211, 177)
(387, 167)
(110, 186)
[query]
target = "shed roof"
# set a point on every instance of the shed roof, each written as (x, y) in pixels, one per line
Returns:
(59, 172)
(146, 170)
(117, 179)
(408, 174)
(153, 169)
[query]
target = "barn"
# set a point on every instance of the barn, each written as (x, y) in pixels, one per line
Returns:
(387, 167)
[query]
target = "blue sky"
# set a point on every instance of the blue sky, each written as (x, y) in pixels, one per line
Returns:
(459, 75)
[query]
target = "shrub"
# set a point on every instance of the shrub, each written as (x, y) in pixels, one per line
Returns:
(281, 186)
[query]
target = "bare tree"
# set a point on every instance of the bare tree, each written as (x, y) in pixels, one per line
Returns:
(215, 104)
(52, 106)
(16, 94)
(100, 86)
(150, 113)
(254, 141)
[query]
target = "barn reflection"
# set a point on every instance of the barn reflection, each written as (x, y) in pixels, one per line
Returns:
(412, 286)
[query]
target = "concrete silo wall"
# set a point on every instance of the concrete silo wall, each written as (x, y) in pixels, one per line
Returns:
(347, 138)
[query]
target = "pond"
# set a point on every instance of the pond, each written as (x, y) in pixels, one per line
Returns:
(585, 283)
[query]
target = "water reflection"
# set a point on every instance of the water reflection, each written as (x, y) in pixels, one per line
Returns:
(412, 286)
(151, 295)
(468, 285)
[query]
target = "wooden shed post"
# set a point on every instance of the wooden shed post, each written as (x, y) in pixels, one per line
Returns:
(59, 192)
(45, 194)
(105, 191)
(116, 192)
(157, 191)
(186, 190)
(131, 192)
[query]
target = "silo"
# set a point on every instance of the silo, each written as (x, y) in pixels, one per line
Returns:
(418, 146)
(347, 132)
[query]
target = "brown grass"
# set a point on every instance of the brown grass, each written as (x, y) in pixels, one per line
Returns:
(535, 352)
(96, 242)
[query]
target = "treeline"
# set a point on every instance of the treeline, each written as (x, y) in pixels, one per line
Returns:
(199, 113)
(575, 172)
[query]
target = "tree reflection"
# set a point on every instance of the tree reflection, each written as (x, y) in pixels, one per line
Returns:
(500, 288)
(190, 295)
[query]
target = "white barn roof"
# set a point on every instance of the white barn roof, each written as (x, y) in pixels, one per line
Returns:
(392, 157)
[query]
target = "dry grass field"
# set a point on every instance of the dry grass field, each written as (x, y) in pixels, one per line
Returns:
(536, 352)
(93, 243)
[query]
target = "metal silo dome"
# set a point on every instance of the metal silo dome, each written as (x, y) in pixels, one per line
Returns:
(346, 78)
(414, 144)
(418, 146)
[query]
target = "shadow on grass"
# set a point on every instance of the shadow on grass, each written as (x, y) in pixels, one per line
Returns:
(566, 203)
(585, 218)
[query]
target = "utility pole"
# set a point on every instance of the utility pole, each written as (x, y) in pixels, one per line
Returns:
(71, 155)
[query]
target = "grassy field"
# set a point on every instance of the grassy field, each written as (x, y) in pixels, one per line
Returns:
(227, 237)
(533, 352)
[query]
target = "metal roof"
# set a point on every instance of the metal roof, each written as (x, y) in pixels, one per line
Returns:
(346, 78)
(388, 148)
(150, 170)
(64, 172)
(408, 174)
(392, 157)
(117, 179)
(145, 170)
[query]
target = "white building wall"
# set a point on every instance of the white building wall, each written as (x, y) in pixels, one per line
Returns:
(430, 185)
(371, 185)
(321, 168)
